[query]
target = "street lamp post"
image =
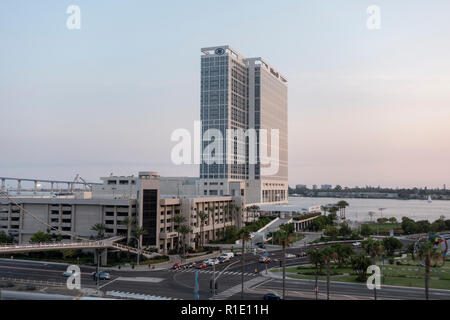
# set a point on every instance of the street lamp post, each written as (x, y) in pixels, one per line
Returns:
(214, 279)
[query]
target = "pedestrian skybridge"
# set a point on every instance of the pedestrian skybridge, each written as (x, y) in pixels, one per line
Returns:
(110, 243)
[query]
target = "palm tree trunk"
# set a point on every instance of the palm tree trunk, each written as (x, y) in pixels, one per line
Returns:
(427, 277)
(202, 235)
(284, 270)
(328, 280)
(316, 288)
(374, 262)
(138, 251)
(214, 224)
(242, 265)
(184, 248)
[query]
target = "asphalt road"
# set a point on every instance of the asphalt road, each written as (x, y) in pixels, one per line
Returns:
(304, 289)
(179, 284)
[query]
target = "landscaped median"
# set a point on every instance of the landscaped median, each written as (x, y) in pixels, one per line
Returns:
(409, 274)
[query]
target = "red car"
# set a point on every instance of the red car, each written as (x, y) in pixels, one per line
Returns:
(176, 266)
(201, 266)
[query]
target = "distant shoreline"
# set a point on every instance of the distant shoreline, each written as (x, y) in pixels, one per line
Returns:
(369, 198)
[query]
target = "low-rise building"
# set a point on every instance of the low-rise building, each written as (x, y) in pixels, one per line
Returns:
(147, 198)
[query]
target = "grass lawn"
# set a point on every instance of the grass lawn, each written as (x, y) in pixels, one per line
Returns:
(397, 275)
(383, 227)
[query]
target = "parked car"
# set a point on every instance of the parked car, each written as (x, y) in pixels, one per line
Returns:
(201, 266)
(212, 262)
(222, 259)
(271, 296)
(176, 266)
(356, 244)
(68, 273)
(102, 275)
(189, 265)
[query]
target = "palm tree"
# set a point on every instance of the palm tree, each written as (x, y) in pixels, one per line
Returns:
(328, 254)
(244, 235)
(333, 210)
(236, 212)
(342, 205)
(202, 216)
(283, 237)
(129, 222)
(178, 219)
(225, 211)
(230, 208)
(253, 209)
(344, 253)
(316, 257)
(213, 214)
(373, 248)
(138, 233)
(427, 253)
(184, 229)
(247, 210)
(100, 228)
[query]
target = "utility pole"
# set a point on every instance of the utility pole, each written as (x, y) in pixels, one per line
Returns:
(214, 280)
(98, 267)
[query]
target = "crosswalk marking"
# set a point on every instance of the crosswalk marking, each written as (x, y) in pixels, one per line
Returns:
(237, 288)
(138, 296)
(217, 272)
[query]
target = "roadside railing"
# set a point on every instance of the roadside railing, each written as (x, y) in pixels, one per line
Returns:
(51, 245)
(61, 245)
(132, 249)
(35, 282)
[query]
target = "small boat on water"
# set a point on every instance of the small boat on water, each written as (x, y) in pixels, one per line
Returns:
(429, 199)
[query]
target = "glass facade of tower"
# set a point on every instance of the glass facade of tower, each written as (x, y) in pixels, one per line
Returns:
(238, 94)
(224, 105)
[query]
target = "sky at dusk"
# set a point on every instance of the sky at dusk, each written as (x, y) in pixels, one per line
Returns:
(366, 107)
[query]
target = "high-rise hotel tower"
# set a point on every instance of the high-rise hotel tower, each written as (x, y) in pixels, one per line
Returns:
(241, 93)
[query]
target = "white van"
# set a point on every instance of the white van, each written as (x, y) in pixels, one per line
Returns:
(227, 255)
